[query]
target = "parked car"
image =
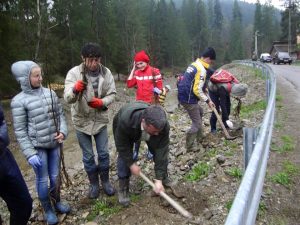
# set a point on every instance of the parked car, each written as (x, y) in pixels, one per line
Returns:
(265, 57)
(282, 57)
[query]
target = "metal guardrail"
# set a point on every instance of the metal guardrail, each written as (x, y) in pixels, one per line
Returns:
(245, 205)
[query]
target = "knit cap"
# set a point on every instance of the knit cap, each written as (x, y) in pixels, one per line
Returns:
(209, 53)
(239, 90)
(141, 57)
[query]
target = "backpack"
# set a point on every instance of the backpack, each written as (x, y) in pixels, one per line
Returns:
(223, 76)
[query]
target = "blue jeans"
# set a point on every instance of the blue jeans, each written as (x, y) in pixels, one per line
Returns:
(88, 156)
(123, 169)
(48, 169)
(13, 189)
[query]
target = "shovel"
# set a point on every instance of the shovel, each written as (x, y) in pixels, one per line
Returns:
(227, 135)
(172, 202)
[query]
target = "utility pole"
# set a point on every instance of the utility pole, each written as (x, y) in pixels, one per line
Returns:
(255, 36)
(289, 34)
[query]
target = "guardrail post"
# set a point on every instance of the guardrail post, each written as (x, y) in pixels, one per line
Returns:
(249, 141)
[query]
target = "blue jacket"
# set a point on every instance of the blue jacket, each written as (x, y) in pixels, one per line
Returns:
(190, 85)
(4, 139)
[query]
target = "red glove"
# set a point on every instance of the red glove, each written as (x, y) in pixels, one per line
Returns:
(96, 103)
(79, 86)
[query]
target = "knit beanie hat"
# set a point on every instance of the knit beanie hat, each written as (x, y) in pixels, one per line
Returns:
(141, 57)
(209, 53)
(239, 90)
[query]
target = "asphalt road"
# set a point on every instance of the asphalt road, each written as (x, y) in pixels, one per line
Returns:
(290, 75)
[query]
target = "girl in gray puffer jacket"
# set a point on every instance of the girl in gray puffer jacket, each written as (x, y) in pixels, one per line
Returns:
(40, 128)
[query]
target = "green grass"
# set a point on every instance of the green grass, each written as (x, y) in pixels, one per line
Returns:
(228, 205)
(284, 177)
(288, 144)
(104, 208)
(200, 171)
(258, 74)
(278, 125)
(290, 168)
(262, 208)
(278, 98)
(212, 153)
(230, 144)
(248, 110)
(281, 178)
(276, 221)
(235, 172)
(229, 153)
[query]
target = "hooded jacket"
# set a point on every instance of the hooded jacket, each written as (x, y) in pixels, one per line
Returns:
(86, 119)
(127, 131)
(34, 114)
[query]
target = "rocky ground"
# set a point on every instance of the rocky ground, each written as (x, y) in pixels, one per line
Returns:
(208, 198)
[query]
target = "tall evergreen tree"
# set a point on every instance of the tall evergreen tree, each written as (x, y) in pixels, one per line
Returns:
(236, 45)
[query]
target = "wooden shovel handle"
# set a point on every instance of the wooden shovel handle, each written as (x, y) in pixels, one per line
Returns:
(172, 202)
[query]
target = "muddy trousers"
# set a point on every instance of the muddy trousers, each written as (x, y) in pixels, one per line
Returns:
(13, 189)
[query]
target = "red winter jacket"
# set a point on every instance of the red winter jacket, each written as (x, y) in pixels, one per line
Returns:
(145, 81)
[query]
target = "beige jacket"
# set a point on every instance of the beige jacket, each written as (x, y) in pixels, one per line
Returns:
(86, 119)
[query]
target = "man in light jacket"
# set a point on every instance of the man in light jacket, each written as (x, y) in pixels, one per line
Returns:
(90, 89)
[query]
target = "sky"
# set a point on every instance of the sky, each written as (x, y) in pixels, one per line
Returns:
(276, 3)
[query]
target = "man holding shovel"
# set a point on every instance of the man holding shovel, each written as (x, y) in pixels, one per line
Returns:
(134, 122)
(190, 91)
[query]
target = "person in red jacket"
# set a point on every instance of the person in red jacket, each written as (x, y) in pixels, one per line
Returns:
(146, 79)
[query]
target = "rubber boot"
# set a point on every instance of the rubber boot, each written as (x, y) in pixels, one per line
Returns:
(123, 193)
(199, 136)
(190, 139)
(107, 187)
(50, 216)
(60, 207)
(94, 185)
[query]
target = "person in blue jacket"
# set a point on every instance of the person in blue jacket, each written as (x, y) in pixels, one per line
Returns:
(190, 91)
(13, 189)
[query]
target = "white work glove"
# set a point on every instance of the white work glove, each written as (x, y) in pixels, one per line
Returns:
(229, 124)
(35, 161)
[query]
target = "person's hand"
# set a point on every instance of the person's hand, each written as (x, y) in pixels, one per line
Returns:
(157, 91)
(35, 161)
(79, 86)
(158, 186)
(135, 169)
(229, 124)
(59, 137)
(96, 103)
(211, 104)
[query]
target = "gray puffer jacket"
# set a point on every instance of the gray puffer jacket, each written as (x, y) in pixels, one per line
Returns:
(33, 113)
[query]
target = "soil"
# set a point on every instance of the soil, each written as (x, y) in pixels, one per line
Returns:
(209, 199)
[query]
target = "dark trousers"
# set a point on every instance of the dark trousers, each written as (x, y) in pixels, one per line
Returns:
(13, 189)
(221, 99)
